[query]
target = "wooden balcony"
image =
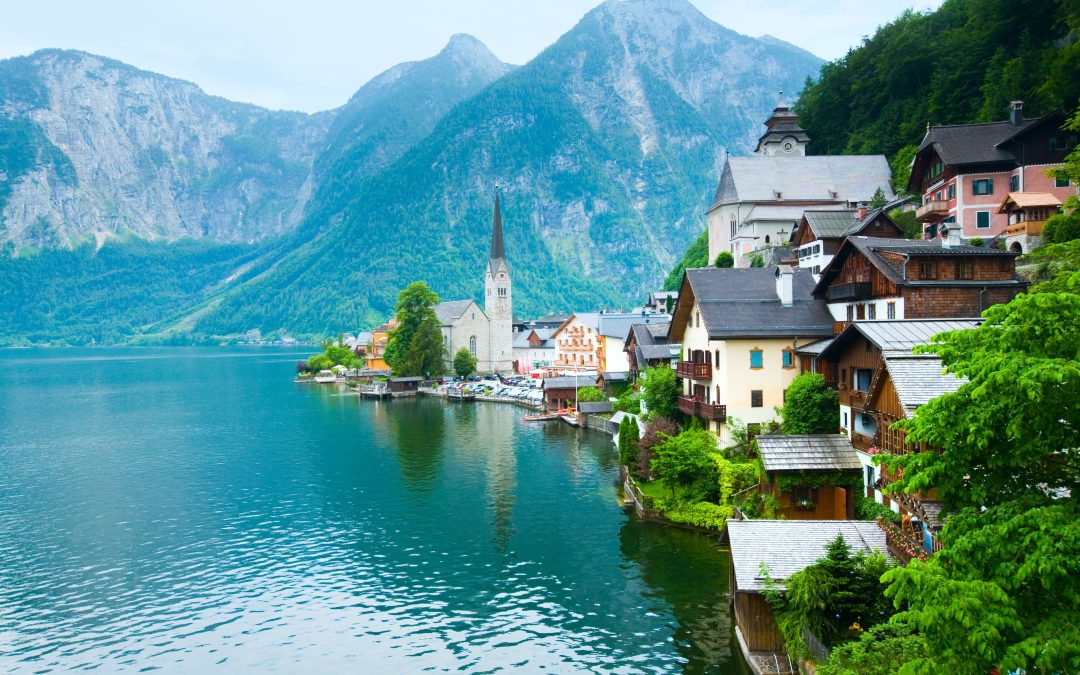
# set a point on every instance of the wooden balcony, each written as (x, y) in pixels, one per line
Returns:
(1031, 228)
(856, 399)
(712, 412)
(839, 326)
(932, 210)
(856, 290)
(902, 545)
(862, 442)
(688, 370)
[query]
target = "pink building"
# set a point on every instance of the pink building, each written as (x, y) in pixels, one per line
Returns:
(964, 171)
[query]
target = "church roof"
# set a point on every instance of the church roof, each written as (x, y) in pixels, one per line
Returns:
(498, 251)
(816, 179)
(449, 312)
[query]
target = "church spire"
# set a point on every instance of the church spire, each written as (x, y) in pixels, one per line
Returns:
(497, 250)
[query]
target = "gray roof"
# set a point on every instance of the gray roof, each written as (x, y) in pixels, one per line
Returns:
(550, 320)
(449, 312)
(790, 546)
(836, 178)
(615, 376)
(742, 302)
(568, 382)
(651, 342)
(413, 378)
(813, 452)
(814, 348)
(959, 144)
(521, 338)
(830, 224)
(594, 407)
(919, 378)
(896, 336)
(618, 325)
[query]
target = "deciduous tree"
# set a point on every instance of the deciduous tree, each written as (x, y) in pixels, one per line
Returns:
(464, 362)
(810, 407)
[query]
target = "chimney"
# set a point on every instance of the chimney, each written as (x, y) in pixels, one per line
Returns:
(860, 213)
(784, 276)
(950, 237)
(1016, 113)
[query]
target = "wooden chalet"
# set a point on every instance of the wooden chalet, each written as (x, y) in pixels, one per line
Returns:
(811, 476)
(819, 233)
(784, 547)
(646, 346)
(1027, 213)
(874, 279)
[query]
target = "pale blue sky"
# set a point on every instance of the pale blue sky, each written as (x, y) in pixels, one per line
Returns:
(313, 55)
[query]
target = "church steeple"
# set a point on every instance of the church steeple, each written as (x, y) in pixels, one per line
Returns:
(783, 135)
(498, 300)
(497, 251)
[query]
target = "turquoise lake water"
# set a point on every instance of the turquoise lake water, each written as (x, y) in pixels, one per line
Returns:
(192, 510)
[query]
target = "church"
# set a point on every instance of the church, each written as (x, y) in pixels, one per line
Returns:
(486, 332)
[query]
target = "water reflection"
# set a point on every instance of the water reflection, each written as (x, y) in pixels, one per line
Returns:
(688, 572)
(420, 440)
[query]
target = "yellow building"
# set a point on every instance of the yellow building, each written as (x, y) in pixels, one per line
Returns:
(739, 330)
(376, 349)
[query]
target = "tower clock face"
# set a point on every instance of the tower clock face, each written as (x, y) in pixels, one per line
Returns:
(788, 144)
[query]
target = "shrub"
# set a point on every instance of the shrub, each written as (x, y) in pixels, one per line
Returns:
(810, 407)
(658, 431)
(867, 508)
(757, 261)
(976, 241)
(724, 259)
(659, 391)
(590, 395)
(628, 402)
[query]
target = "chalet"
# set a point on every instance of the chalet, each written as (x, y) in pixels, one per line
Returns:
(874, 279)
(646, 346)
(819, 232)
(760, 199)
(962, 170)
(533, 349)
(813, 477)
(1027, 213)
(783, 547)
(739, 330)
(595, 340)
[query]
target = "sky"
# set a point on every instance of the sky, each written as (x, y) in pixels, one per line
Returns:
(312, 55)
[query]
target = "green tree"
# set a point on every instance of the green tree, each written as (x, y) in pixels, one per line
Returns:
(878, 651)
(659, 391)
(697, 255)
(878, 199)
(415, 345)
(900, 165)
(810, 407)
(464, 362)
(724, 259)
(757, 260)
(590, 395)
(1066, 226)
(686, 459)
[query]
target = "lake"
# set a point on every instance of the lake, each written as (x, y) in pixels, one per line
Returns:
(193, 510)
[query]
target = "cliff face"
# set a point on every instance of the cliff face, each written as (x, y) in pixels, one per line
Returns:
(101, 148)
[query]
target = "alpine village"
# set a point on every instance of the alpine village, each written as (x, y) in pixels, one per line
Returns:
(863, 378)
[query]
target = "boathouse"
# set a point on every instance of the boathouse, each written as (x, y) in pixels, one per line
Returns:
(405, 385)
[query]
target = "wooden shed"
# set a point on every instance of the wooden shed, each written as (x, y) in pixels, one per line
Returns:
(813, 476)
(405, 385)
(785, 547)
(561, 392)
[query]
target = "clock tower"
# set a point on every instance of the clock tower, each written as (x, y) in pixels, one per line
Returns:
(497, 299)
(783, 136)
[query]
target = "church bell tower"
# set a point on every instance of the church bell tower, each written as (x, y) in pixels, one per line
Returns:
(497, 299)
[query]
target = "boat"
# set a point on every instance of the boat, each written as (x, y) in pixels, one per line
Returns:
(460, 395)
(326, 377)
(542, 417)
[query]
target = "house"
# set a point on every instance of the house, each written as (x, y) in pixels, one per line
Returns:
(819, 233)
(739, 329)
(812, 476)
(760, 199)
(549, 321)
(873, 278)
(595, 340)
(561, 392)
(376, 347)
(487, 333)
(858, 356)
(613, 382)
(646, 346)
(533, 349)
(1027, 213)
(782, 547)
(661, 302)
(962, 170)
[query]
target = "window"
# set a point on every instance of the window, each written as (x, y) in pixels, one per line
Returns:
(1061, 180)
(757, 359)
(851, 312)
(845, 421)
(890, 311)
(860, 312)
(789, 358)
(870, 480)
(1014, 183)
(871, 312)
(982, 186)
(802, 494)
(982, 219)
(472, 346)
(733, 225)
(755, 398)
(927, 269)
(965, 270)
(952, 191)
(862, 377)
(1055, 143)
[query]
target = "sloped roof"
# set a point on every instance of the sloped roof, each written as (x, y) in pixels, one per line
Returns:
(451, 311)
(787, 212)
(790, 546)
(569, 382)
(742, 302)
(809, 452)
(843, 178)
(958, 144)
(594, 407)
(618, 325)
(830, 224)
(1027, 200)
(814, 348)
(521, 338)
(904, 335)
(919, 378)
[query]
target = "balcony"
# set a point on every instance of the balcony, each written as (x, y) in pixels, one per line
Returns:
(688, 370)
(855, 290)
(932, 210)
(857, 399)
(1032, 228)
(839, 326)
(688, 405)
(712, 412)
(862, 442)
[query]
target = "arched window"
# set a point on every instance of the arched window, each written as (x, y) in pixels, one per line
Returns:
(766, 239)
(472, 346)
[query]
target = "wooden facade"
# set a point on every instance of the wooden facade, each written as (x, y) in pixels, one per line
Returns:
(831, 502)
(755, 618)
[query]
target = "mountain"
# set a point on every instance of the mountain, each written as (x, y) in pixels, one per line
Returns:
(607, 145)
(93, 147)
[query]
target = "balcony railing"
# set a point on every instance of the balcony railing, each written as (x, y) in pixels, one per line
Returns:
(839, 326)
(861, 441)
(934, 209)
(694, 371)
(713, 412)
(857, 399)
(688, 405)
(855, 290)
(1032, 228)
(901, 545)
